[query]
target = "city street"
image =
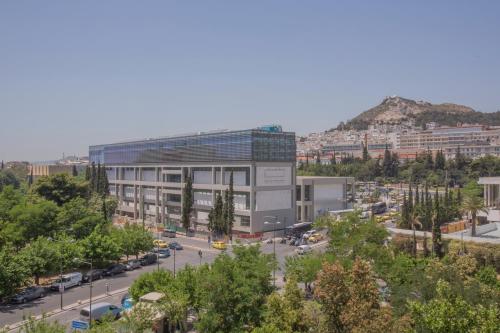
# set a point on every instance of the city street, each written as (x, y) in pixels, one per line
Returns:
(116, 286)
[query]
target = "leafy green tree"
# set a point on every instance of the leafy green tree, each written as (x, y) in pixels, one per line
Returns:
(9, 198)
(59, 188)
(149, 282)
(303, 268)
(41, 256)
(83, 227)
(35, 220)
(100, 247)
(71, 212)
(14, 272)
(132, 239)
(187, 203)
(33, 325)
(451, 313)
(236, 290)
(7, 178)
(104, 206)
(473, 203)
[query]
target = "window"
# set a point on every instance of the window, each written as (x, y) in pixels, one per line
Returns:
(172, 178)
(173, 197)
(307, 192)
(245, 221)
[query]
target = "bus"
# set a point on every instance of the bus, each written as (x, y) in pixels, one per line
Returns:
(379, 207)
(298, 229)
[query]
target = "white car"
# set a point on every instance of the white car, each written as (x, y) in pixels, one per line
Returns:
(67, 281)
(308, 234)
(303, 249)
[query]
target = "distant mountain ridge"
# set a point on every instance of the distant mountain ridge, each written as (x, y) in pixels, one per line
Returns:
(396, 109)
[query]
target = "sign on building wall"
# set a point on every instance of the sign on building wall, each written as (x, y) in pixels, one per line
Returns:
(274, 176)
(273, 200)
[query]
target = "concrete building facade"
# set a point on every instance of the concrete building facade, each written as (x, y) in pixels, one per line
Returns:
(148, 176)
(491, 195)
(319, 195)
(40, 170)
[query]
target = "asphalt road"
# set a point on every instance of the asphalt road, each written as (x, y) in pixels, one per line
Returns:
(11, 314)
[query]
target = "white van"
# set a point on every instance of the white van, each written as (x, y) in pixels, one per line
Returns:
(67, 281)
(303, 249)
(99, 310)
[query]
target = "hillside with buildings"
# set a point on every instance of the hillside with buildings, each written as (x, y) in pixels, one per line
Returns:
(408, 128)
(396, 109)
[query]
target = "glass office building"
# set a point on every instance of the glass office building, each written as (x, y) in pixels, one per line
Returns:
(147, 176)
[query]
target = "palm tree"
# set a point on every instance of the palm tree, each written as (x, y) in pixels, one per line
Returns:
(414, 222)
(473, 204)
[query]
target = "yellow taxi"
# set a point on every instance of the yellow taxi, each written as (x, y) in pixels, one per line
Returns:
(315, 238)
(220, 245)
(160, 243)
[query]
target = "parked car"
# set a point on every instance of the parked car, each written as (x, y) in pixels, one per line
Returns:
(219, 245)
(99, 311)
(163, 253)
(127, 302)
(114, 269)
(96, 274)
(303, 249)
(175, 246)
(292, 241)
(314, 238)
(133, 264)
(160, 243)
(67, 281)
(148, 259)
(308, 234)
(29, 294)
(169, 233)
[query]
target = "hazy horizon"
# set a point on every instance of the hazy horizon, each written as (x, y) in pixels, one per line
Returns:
(78, 74)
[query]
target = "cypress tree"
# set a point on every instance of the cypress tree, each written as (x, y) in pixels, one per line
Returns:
(104, 186)
(98, 185)
(333, 161)
(187, 203)
(230, 207)
(404, 212)
(30, 178)
(437, 245)
(1, 166)
(366, 156)
(87, 173)
(417, 197)
(93, 178)
(74, 172)
(387, 163)
(410, 199)
(318, 158)
(225, 209)
(440, 161)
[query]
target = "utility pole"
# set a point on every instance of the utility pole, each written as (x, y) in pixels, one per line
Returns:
(274, 243)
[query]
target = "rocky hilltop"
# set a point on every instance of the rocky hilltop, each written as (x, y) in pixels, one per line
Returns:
(395, 109)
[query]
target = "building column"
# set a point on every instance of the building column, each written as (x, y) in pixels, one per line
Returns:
(303, 202)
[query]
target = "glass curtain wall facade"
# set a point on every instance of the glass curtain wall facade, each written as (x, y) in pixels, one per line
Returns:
(148, 176)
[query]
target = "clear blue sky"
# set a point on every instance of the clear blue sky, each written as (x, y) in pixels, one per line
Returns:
(75, 73)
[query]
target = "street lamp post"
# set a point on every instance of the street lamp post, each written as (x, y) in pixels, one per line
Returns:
(60, 274)
(274, 242)
(90, 287)
(175, 250)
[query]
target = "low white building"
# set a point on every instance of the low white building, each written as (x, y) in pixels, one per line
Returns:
(319, 195)
(491, 197)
